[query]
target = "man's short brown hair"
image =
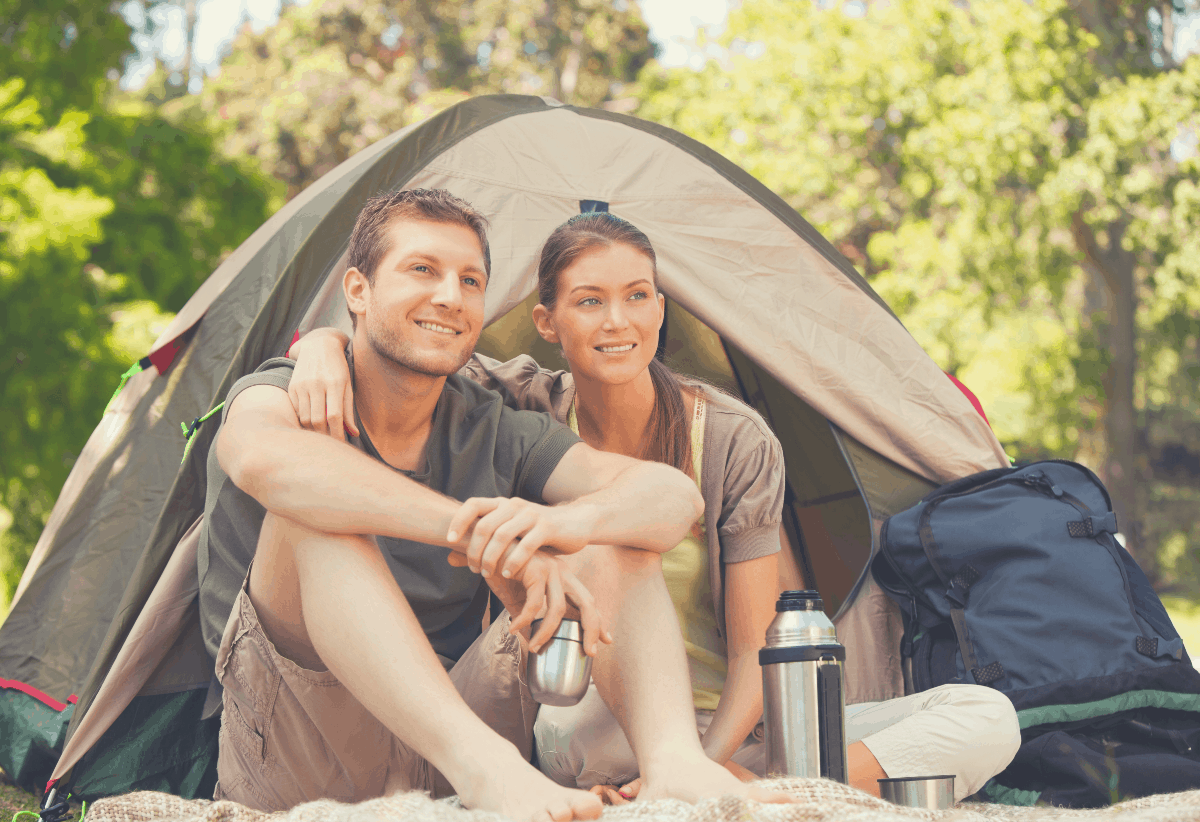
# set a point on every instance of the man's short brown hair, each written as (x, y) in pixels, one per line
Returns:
(368, 240)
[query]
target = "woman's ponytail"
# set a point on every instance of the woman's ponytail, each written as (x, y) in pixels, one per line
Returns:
(670, 440)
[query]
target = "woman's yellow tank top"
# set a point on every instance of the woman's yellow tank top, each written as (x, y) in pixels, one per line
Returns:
(685, 569)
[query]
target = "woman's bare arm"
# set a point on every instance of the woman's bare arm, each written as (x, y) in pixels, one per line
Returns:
(321, 391)
(751, 588)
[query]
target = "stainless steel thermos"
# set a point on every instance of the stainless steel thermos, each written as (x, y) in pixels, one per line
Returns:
(804, 705)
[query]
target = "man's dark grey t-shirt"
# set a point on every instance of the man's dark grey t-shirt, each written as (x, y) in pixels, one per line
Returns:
(477, 448)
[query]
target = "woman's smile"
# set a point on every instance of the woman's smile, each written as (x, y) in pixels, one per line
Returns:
(617, 348)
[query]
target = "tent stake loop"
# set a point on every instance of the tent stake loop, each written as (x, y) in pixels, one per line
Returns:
(53, 811)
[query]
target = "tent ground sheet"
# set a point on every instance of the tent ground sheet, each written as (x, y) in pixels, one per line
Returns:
(820, 800)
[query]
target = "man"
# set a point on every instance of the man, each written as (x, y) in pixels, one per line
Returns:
(333, 656)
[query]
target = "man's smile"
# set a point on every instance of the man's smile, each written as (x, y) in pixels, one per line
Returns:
(440, 329)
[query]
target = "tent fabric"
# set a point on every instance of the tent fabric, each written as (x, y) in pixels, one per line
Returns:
(758, 300)
(154, 640)
(33, 734)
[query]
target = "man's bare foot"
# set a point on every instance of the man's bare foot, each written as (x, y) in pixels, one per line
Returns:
(510, 786)
(693, 779)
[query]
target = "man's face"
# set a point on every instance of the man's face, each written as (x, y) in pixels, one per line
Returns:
(424, 310)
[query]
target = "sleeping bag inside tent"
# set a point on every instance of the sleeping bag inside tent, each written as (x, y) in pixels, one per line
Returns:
(105, 685)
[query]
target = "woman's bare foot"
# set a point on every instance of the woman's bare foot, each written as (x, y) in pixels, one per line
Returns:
(694, 779)
(510, 786)
(609, 795)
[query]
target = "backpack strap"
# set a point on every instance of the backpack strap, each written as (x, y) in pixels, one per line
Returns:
(957, 594)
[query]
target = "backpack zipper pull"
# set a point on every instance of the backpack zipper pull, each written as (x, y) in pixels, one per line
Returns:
(1042, 482)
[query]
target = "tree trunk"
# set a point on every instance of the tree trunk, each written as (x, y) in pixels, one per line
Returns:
(189, 58)
(1168, 35)
(1113, 21)
(1116, 268)
(566, 79)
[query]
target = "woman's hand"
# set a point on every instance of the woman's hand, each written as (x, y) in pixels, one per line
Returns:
(320, 390)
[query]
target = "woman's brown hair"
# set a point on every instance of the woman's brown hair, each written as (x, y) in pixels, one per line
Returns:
(669, 439)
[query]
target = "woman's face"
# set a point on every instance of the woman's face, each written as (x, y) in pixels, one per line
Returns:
(607, 315)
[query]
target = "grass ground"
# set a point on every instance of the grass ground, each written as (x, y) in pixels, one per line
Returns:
(14, 800)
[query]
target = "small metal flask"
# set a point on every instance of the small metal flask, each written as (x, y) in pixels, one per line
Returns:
(559, 674)
(933, 793)
(804, 704)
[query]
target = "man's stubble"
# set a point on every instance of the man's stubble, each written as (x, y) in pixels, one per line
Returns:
(392, 347)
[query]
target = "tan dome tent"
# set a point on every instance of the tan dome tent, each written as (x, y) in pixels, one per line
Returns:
(758, 302)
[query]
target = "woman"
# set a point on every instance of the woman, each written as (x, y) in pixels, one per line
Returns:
(599, 300)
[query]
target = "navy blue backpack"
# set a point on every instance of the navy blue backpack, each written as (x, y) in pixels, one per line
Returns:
(1013, 579)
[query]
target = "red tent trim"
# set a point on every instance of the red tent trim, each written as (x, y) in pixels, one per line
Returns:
(970, 396)
(162, 357)
(45, 699)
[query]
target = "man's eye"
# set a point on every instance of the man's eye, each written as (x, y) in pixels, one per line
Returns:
(420, 267)
(472, 281)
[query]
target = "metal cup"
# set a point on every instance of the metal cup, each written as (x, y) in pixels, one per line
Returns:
(933, 793)
(559, 674)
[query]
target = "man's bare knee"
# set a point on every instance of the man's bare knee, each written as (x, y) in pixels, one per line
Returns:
(597, 562)
(275, 590)
(290, 558)
(634, 560)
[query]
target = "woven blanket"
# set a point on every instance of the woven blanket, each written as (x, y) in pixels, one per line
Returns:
(819, 800)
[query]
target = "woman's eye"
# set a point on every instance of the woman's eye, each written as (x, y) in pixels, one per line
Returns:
(420, 267)
(638, 295)
(589, 301)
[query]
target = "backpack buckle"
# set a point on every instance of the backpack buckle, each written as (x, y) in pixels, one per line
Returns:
(960, 586)
(1093, 526)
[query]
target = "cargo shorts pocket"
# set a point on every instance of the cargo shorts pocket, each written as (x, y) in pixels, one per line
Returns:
(251, 682)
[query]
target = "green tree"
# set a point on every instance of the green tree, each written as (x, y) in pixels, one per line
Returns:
(1003, 173)
(112, 211)
(53, 333)
(331, 78)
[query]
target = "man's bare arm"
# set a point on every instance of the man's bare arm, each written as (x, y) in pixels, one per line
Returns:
(319, 482)
(625, 501)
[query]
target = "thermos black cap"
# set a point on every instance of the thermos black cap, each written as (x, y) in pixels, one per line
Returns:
(799, 601)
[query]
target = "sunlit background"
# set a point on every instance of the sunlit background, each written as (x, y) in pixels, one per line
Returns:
(162, 32)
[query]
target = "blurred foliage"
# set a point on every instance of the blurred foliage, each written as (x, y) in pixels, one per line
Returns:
(112, 211)
(1003, 173)
(331, 78)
